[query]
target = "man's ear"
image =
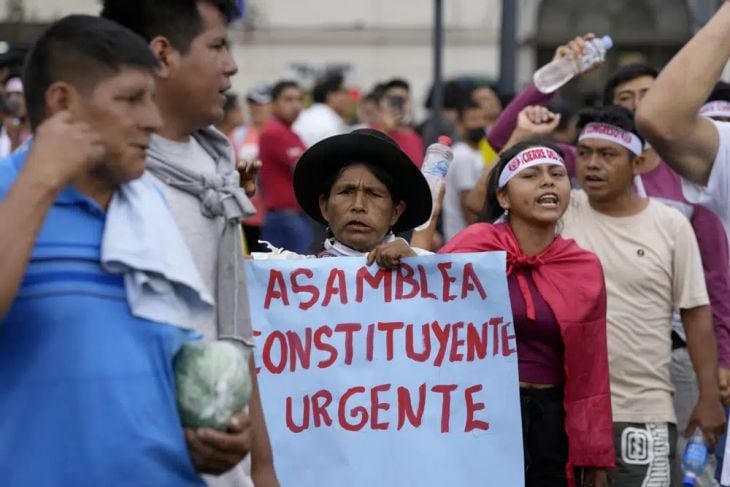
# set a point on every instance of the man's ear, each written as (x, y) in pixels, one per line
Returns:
(638, 165)
(61, 96)
(166, 54)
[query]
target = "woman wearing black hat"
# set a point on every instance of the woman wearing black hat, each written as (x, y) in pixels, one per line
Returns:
(365, 189)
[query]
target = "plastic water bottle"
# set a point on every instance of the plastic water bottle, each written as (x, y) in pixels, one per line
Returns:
(695, 458)
(435, 166)
(556, 73)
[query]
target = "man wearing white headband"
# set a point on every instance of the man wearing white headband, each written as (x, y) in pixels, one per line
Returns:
(652, 267)
(627, 87)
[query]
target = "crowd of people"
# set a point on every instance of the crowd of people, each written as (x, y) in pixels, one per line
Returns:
(274, 127)
(134, 185)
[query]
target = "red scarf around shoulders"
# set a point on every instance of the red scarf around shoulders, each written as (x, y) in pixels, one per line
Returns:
(571, 281)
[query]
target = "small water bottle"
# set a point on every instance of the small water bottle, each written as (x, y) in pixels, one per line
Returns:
(556, 73)
(434, 169)
(695, 458)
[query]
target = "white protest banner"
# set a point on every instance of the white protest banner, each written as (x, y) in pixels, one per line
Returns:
(388, 378)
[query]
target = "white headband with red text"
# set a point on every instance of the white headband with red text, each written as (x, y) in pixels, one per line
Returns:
(717, 108)
(528, 158)
(611, 133)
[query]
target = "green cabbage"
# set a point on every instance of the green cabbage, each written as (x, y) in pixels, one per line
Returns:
(213, 383)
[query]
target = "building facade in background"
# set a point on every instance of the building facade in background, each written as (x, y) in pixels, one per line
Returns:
(372, 40)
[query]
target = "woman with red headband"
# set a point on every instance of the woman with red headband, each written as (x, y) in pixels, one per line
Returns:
(559, 309)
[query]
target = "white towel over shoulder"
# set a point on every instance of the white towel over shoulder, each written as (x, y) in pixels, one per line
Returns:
(142, 241)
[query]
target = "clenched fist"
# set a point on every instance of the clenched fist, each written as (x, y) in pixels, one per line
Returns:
(537, 121)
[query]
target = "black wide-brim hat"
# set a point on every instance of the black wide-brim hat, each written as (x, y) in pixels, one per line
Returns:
(326, 158)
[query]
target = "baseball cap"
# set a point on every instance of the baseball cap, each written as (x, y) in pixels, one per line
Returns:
(260, 94)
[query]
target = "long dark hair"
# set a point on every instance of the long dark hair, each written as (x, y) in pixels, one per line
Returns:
(492, 210)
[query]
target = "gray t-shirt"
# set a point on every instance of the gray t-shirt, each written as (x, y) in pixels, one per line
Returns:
(202, 234)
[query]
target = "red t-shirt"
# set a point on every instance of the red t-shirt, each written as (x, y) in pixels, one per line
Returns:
(410, 143)
(279, 150)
